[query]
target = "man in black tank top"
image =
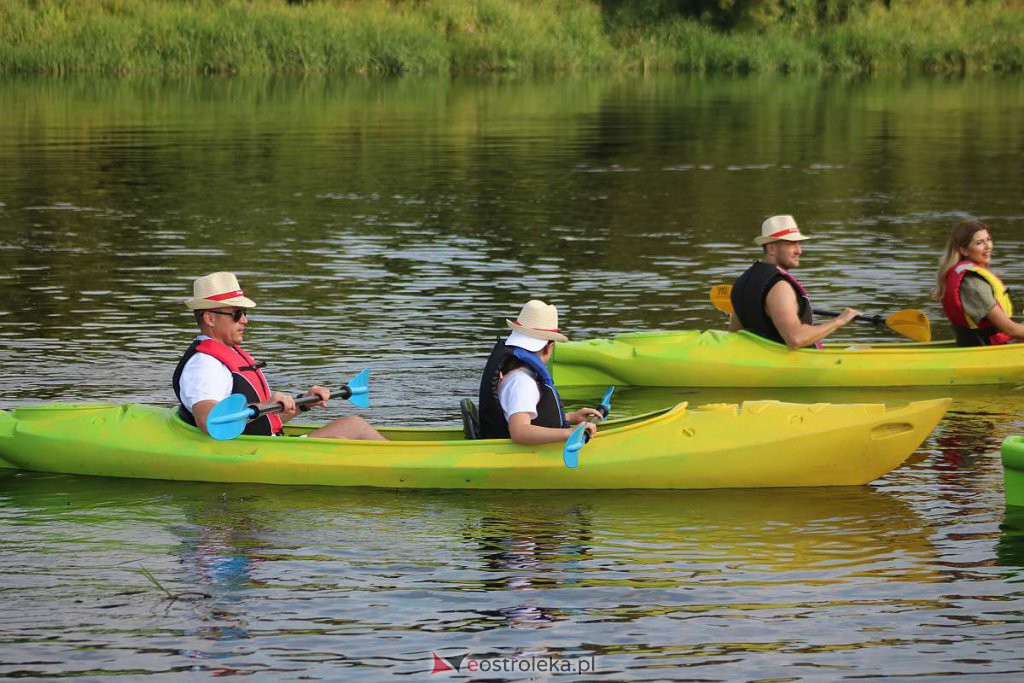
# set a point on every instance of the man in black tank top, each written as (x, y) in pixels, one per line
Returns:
(768, 301)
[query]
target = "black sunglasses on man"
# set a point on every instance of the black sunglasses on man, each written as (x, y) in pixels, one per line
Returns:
(236, 314)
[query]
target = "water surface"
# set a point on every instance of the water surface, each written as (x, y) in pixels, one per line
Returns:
(395, 225)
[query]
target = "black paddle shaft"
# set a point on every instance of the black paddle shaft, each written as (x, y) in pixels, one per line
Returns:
(277, 406)
(873, 319)
(301, 402)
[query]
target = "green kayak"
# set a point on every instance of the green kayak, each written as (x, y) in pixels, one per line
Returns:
(715, 358)
(756, 444)
(1013, 469)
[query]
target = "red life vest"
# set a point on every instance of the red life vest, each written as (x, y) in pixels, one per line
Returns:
(969, 332)
(246, 376)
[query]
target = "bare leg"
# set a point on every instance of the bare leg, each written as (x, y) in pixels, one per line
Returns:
(348, 427)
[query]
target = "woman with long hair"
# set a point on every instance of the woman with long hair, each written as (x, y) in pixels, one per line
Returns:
(974, 299)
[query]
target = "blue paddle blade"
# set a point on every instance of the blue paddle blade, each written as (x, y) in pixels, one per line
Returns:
(229, 417)
(360, 388)
(578, 438)
(576, 441)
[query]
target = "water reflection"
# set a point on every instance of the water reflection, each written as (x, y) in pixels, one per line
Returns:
(395, 225)
(524, 555)
(219, 556)
(299, 577)
(1010, 548)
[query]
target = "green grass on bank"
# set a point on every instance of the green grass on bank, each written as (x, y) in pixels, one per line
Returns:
(517, 36)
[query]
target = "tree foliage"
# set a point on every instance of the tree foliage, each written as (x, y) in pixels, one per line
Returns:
(755, 14)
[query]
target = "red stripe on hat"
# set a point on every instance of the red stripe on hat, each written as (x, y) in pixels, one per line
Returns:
(539, 329)
(225, 295)
(787, 231)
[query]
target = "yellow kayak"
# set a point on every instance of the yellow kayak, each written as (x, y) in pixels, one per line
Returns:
(756, 444)
(715, 358)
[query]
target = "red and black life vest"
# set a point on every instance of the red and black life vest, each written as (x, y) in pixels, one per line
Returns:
(246, 379)
(971, 332)
(750, 292)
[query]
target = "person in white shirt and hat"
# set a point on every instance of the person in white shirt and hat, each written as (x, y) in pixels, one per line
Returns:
(518, 399)
(768, 301)
(215, 366)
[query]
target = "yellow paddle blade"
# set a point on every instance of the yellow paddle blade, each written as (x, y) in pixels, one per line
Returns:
(911, 323)
(720, 297)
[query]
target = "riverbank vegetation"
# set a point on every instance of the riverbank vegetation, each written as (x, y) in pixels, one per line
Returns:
(509, 36)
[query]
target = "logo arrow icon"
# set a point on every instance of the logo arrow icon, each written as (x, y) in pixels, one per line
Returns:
(447, 663)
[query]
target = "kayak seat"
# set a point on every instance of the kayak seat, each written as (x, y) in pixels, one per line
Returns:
(470, 419)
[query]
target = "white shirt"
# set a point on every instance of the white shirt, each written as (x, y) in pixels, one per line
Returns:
(204, 378)
(518, 393)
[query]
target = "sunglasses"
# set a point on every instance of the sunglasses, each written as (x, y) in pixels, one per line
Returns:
(236, 315)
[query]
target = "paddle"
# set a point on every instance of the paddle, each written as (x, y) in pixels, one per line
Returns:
(579, 436)
(229, 417)
(909, 322)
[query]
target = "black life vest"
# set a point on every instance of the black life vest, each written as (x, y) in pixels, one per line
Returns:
(246, 379)
(493, 424)
(750, 292)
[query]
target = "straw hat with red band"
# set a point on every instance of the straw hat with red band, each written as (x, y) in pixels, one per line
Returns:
(218, 290)
(779, 228)
(536, 325)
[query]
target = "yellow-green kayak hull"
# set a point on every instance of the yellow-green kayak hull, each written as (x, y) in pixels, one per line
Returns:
(1012, 452)
(715, 358)
(756, 444)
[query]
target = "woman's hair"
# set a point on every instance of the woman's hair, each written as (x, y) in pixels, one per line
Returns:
(961, 236)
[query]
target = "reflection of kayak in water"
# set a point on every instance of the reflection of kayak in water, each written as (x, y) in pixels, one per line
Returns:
(714, 358)
(718, 531)
(1010, 547)
(757, 444)
(536, 540)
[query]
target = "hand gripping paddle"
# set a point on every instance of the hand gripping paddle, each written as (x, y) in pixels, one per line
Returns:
(579, 438)
(229, 417)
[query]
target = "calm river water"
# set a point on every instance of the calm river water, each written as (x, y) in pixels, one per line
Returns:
(395, 225)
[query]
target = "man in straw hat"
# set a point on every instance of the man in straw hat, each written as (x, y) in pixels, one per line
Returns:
(215, 366)
(767, 300)
(518, 399)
